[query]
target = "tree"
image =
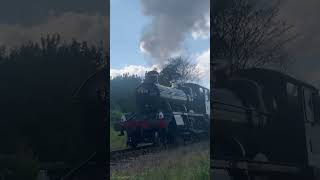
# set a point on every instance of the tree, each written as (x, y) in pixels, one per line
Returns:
(178, 69)
(37, 97)
(249, 34)
(122, 92)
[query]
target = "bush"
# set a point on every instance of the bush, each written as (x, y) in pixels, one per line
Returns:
(22, 166)
(115, 116)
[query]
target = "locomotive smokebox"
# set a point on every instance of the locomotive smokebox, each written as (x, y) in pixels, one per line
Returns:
(151, 77)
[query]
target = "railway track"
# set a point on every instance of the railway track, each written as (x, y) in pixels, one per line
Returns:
(125, 154)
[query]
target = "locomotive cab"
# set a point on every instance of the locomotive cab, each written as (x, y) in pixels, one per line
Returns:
(294, 122)
(239, 112)
(287, 111)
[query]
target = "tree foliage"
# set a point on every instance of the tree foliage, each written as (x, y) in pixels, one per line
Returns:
(122, 92)
(249, 33)
(178, 69)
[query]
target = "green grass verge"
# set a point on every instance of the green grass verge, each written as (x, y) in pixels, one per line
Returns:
(189, 166)
(116, 142)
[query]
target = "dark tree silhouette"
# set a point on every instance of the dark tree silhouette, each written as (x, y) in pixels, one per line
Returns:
(122, 92)
(248, 33)
(37, 103)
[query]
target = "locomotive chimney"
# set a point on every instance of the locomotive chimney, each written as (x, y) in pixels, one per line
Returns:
(174, 84)
(151, 77)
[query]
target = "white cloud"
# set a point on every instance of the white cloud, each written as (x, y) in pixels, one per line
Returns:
(142, 49)
(203, 66)
(201, 29)
(132, 70)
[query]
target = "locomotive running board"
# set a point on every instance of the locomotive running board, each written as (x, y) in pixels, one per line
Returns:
(187, 114)
(255, 166)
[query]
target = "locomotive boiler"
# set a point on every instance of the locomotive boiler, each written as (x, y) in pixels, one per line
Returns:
(167, 115)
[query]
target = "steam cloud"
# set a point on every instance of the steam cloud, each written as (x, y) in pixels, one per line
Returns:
(70, 25)
(172, 21)
(304, 15)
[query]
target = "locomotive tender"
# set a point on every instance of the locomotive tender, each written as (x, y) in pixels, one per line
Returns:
(167, 115)
(269, 122)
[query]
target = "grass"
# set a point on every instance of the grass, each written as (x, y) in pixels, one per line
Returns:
(180, 165)
(116, 142)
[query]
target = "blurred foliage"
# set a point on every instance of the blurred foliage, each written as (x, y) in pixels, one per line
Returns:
(37, 106)
(22, 166)
(115, 116)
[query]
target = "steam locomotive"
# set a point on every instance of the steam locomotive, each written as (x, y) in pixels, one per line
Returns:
(167, 115)
(269, 121)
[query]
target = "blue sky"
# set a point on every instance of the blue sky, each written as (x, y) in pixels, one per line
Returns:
(127, 23)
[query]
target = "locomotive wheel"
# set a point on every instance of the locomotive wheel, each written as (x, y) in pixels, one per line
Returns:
(157, 140)
(132, 143)
(220, 174)
(179, 140)
(239, 175)
(262, 158)
(230, 147)
(171, 135)
(176, 140)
